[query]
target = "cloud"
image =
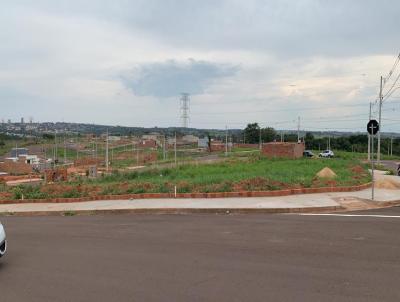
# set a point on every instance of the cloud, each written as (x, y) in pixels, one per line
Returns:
(170, 78)
(254, 60)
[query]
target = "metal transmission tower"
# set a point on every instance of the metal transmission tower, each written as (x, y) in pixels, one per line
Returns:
(185, 109)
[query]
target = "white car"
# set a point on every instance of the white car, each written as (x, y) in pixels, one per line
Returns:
(3, 241)
(327, 153)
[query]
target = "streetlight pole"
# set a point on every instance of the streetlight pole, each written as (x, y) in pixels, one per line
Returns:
(369, 135)
(107, 161)
(226, 140)
(380, 122)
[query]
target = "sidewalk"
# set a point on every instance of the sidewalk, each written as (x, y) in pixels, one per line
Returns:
(286, 204)
(320, 202)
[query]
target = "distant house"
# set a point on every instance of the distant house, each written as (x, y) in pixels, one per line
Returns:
(15, 152)
(114, 138)
(202, 142)
(29, 159)
(154, 136)
(190, 139)
(283, 150)
(148, 143)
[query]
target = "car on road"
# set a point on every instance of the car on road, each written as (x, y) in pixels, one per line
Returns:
(3, 241)
(308, 153)
(327, 154)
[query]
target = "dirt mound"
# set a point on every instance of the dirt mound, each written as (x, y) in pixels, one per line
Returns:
(357, 169)
(326, 173)
(387, 183)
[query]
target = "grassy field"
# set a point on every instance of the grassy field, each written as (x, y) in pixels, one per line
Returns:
(253, 174)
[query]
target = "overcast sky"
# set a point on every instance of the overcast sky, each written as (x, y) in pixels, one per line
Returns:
(125, 62)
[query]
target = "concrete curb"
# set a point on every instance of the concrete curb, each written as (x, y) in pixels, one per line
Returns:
(178, 211)
(276, 193)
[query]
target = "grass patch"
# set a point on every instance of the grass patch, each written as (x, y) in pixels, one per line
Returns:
(235, 174)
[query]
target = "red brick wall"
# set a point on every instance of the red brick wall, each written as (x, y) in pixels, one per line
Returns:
(88, 161)
(254, 146)
(148, 144)
(56, 175)
(15, 168)
(148, 157)
(217, 147)
(283, 150)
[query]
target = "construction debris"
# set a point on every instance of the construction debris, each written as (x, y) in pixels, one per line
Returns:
(326, 173)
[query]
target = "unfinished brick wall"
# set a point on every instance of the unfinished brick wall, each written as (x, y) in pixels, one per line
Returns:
(283, 150)
(216, 147)
(240, 145)
(88, 161)
(143, 156)
(15, 168)
(56, 175)
(148, 143)
(148, 157)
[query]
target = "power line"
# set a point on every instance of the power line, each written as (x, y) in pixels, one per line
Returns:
(396, 62)
(278, 110)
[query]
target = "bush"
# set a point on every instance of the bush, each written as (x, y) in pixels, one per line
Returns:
(29, 192)
(71, 194)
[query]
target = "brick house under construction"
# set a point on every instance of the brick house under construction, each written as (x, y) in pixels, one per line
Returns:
(283, 150)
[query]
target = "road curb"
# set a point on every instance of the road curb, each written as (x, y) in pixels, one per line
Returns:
(179, 211)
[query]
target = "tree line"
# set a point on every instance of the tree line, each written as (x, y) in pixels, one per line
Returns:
(352, 143)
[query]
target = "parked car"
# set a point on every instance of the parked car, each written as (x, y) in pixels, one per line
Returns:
(3, 241)
(308, 153)
(327, 154)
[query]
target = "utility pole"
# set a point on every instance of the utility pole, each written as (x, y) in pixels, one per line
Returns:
(281, 136)
(77, 147)
(175, 148)
(369, 135)
(328, 143)
(185, 109)
(388, 149)
(380, 122)
(298, 129)
(226, 140)
(259, 139)
(391, 146)
(55, 147)
(372, 160)
(164, 148)
(107, 161)
(65, 151)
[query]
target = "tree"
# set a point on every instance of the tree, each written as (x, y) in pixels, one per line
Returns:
(268, 134)
(252, 133)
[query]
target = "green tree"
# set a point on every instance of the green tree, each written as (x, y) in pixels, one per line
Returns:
(252, 133)
(268, 134)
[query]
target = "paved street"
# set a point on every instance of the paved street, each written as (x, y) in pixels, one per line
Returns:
(203, 258)
(391, 164)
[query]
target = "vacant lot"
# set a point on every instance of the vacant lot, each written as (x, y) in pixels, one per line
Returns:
(253, 174)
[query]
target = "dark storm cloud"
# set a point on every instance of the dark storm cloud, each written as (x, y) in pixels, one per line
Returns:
(170, 78)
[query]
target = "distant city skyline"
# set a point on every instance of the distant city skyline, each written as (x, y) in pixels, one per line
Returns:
(127, 62)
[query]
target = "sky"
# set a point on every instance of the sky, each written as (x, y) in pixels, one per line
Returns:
(126, 62)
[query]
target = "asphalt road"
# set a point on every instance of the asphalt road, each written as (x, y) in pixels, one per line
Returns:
(202, 258)
(391, 164)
